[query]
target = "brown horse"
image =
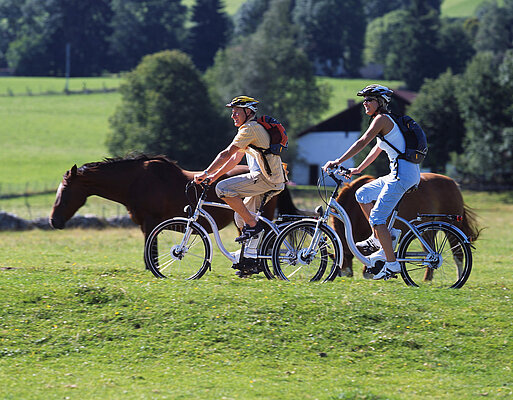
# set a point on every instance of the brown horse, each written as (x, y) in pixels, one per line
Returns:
(436, 194)
(152, 190)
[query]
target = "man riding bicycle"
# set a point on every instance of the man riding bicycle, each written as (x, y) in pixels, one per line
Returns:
(244, 193)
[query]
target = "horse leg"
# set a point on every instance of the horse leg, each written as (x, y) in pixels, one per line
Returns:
(347, 268)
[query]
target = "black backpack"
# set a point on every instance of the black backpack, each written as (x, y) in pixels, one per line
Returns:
(415, 138)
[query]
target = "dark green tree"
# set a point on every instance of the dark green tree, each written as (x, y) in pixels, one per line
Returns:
(210, 32)
(380, 34)
(486, 105)
(46, 27)
(377, 8)
(10, 26)
(415, 43)
(413, 54)
(141, 27)
(249, 16)
(332, 33)
(454, 45)
(437, 111)
(165, 109)
(268, 66)
(495, 27)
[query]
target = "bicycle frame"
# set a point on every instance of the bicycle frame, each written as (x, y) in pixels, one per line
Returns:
(200, 212)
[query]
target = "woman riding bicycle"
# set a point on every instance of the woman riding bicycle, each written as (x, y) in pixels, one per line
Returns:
(379, 197)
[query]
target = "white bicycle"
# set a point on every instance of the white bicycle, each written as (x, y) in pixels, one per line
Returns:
(434, 253)
(181, 247)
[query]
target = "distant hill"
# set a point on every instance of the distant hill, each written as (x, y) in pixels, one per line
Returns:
(461, 8)
(450, 8)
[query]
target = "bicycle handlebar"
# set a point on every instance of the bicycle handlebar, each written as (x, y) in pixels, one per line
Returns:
(339, 170)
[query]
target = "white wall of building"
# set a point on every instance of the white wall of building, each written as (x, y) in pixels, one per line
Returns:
(315, 148)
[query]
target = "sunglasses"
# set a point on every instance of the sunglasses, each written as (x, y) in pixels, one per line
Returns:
(368, 99)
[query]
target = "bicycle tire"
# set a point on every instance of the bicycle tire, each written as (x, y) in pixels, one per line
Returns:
(449, 269)
(166, 259)
(289, 260)
(266, 248)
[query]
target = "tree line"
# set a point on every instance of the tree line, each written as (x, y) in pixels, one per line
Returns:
(338, 36)
(273, 50)
(468, 114)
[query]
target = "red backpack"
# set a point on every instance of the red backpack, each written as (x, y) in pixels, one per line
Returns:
(276, 131)
(279, 139)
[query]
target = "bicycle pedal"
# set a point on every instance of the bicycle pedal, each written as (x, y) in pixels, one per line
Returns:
(390, 276)
(375, 270)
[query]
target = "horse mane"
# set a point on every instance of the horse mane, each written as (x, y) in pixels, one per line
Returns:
(130, 158)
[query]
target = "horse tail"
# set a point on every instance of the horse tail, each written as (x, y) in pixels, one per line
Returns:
(469, 224)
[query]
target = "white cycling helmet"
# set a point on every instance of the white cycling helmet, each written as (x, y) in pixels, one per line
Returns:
(378, 91)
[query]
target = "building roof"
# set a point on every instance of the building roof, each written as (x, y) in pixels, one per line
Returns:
(350, 119)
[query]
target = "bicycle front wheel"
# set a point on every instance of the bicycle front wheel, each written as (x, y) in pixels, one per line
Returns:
(303, 253)
(448, 266)
(177, 249)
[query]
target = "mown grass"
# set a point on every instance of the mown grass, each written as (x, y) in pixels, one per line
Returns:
(230, 6)
(462, 8)
(43, 136)
(33, 86)
(80, 318)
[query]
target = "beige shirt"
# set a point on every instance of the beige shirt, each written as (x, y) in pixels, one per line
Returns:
(253, 133)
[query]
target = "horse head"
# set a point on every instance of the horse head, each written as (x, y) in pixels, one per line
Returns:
(70, 197)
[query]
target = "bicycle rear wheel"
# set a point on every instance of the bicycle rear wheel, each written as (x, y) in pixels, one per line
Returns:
(448, 267)
(178, 249)
(291, 260)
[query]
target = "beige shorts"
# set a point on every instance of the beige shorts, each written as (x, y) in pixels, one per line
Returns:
(251, 187)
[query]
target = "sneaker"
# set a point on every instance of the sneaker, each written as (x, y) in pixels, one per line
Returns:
(369, 246)
(380, 254)
(250, 231)
(372, 244)
(388, 269)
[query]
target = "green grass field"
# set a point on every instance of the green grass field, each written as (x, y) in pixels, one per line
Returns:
(80, 318)
(43, 136)
(231, 6)
(461, 8)
(15, 86)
